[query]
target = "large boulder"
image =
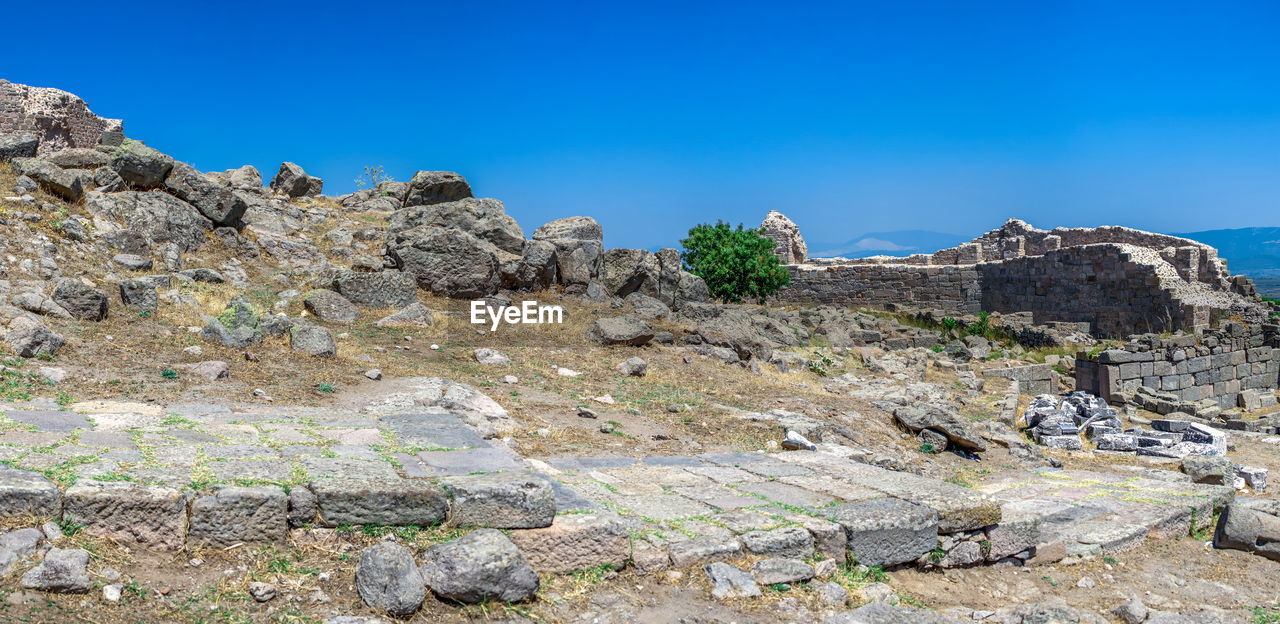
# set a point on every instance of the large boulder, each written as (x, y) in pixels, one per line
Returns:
(216, 202)
(245, 178)
(327, 305)
(79, 158)
(141, 166)
(18, 146)
(435, 187)
(142, 219)
(485, 218)
(81, 300)
(579, 243)
(312, 340)
(789, 246)
(480, 566)
(414, 314)
(447, 261)
(69, 184)
(621, 330)
(387, 578)
(291, 180)
(385, 289)
(1253, 530)
(535, 269)
(739, 333)
(924, 416)
(29, 338)
(630, 270)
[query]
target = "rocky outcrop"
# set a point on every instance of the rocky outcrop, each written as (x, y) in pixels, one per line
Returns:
(219, 204)
(292, 181)
(133, 221)
(789, 244)
(579, 245)
(436, 187)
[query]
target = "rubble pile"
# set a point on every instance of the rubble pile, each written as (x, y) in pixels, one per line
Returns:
(1058, 422)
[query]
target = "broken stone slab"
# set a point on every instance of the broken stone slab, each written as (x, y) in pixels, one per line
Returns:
(1197, 433)
(1254, 476)
(16, 545)
(730, 582)
(390, 502)
(63, 571)
(27, 494)
(887, 531)
(239, 515)
(1103, 537)
(775, 570)
(958, 508)
(1250, 530)
(705, 549)
(955, 427)
(792, 542)
(1117, 442)
(1209, 469)
(1065, 442)
(964, 554)
(148, 515)
(576, 542)
(481, 566)
(506, 500)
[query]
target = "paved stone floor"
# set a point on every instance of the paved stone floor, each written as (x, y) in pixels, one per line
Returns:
(196, 445)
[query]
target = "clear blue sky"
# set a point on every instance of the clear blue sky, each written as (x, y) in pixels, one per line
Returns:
(849, 117)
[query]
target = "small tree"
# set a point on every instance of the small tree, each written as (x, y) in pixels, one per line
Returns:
(737, 264)
(371, 177)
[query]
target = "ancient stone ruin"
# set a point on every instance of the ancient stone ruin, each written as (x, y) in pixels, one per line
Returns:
(59, 120)
(1119, 280)
(790, 247)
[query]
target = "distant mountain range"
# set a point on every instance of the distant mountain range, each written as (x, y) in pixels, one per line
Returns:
(1252, 251)
(899, 243)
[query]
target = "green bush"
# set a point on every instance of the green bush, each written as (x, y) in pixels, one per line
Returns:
(737, 264)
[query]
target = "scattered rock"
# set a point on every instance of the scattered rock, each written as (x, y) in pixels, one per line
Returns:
(482, 565)
(621, 330)
(313, 340)
(387, 578)
(29, 338)
(492, 357)
(262, 592)
(412, 314)
(730, 582)
(80, 300)
(63, 571)
(796, 442)
(633, 367)
(327, 305)
(292, 181)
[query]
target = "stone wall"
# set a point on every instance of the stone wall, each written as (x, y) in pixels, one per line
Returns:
(1218, 365)
(58, 119)
(1118, 280)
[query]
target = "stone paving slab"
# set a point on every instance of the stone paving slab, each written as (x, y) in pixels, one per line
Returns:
(1105, 513)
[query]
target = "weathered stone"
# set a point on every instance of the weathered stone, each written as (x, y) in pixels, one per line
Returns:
(29, 338)
(27, 494)
(447, 261)
(413, 314)
(78, 158)
(16, 546)
(435, 187)
(236, 515)
(1242, 528)
(482, 565)
(292, 181)
(141, 166)
(704, 550)
(65, 183)
(775, 570)
(387, 578)
(148, 515)
(148, 218)
(954, 426)
(313, 340)
(1213, 470)
(789, 245)
(302, 506)
(391, 502)
(81, 300)
(385, 289)
(621, 330)
(491, 357)
(17, 146)
(327, 305)
(633, 367)
(888, 531)
(63, 571)
(219, 204)
(575, 542)
(730, 582)
(792, 542)
(506, 500)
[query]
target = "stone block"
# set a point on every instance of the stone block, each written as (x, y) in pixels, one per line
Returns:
(793, 542)
(887, 531)
(25, 494)
(235, 515)
(147, 515)
(391, 502)
(575, 542)
(506, 500)
(703, 550)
